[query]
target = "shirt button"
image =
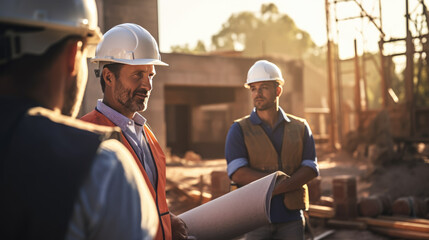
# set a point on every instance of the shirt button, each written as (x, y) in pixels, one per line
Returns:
(129, 123)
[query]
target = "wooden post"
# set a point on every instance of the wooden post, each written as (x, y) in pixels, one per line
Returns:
(332, 126)
(409, 73)
(338, 97)
(383, 74)
(358, 107)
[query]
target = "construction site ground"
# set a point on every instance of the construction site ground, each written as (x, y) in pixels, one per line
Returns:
(408, 178)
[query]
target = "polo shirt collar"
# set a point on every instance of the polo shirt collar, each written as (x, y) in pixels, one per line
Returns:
(254, 118)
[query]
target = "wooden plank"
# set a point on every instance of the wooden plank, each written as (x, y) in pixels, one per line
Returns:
(200, 197)
(395, 224)
(321, 211)
(404, 219)
(400, 233)
(347, 224)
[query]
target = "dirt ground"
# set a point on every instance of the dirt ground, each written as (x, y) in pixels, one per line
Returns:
(406, 178)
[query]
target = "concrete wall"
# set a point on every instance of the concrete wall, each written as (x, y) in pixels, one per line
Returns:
(142, 12)
(215, 71)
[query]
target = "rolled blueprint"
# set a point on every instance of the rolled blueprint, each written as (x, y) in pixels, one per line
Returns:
(235, 213)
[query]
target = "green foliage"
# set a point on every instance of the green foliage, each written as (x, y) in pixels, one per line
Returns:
(266, 34)
(235, 31)
(421, 83)
(198, 49)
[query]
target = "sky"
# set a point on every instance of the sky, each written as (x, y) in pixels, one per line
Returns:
(187, 21)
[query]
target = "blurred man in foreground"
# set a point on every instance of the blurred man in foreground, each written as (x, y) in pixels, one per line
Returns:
(59, 178)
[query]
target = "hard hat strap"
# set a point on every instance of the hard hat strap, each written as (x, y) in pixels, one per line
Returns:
(98, 71)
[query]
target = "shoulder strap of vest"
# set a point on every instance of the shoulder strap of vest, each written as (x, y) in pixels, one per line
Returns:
(242, 119)
(298, 119)
(104, 131)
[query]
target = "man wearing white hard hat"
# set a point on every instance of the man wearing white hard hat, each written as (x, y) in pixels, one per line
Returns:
(126, 59)
(270, 140)
(60, 178)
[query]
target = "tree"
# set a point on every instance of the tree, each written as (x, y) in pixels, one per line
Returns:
(268, 33)
(198, 49)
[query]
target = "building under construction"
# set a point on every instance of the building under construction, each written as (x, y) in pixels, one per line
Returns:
(356, 104)
(404, 95)
(196, 99)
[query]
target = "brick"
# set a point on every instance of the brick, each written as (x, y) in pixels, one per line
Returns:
(219, 183)
(345, 197)
(314, 190)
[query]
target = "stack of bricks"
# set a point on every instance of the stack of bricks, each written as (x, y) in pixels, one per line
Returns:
(220, 183)
(314, 190)
(345, 197)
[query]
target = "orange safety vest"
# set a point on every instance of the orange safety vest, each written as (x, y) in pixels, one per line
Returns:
(158, 194)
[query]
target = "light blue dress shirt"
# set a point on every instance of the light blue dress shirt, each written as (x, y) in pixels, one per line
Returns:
(133, 131)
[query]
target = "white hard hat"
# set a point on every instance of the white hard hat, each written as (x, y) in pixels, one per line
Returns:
(127, 43)
(36, 25)
(264, 70)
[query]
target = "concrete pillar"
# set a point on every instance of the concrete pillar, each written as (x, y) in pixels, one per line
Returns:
(242, 105)
(143, 13)
(155, 113)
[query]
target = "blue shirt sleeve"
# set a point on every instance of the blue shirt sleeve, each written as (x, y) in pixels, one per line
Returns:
(114, 202)
(309, 158)
(235, 149)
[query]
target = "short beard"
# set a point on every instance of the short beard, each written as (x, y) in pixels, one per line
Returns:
(125, 98)
(266, 106)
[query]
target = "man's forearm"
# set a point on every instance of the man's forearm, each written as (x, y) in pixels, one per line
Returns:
(296, 181)
(246, 175)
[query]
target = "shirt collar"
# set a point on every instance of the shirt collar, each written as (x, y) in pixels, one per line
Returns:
(254, 118)
(119, 119)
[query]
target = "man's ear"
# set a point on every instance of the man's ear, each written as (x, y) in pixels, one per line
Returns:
(279, 90)
(71, 54)
(107, 76)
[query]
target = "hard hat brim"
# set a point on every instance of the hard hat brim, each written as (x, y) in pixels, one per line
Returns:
(280, 81)
(130, 61)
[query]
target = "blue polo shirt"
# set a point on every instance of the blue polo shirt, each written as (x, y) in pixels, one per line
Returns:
(236, 156)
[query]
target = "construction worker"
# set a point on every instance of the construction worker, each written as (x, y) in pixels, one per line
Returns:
(126, 57)
(58, 178)
(270, 140)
